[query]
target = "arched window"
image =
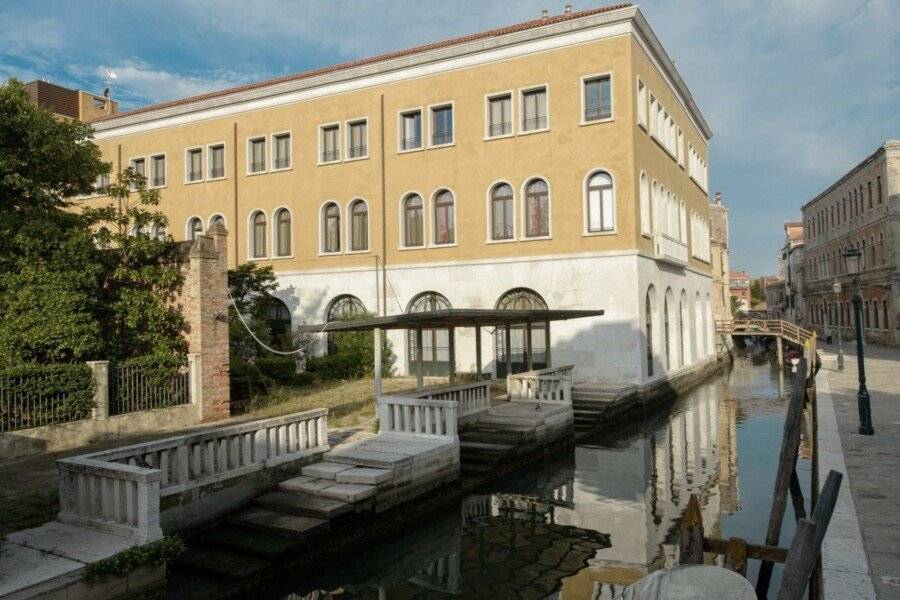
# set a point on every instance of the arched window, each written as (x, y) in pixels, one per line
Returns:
(258, 234)
(884, 306)
(649, 300)
(435, 342)
(537, 209)
(684, 322)
(359, 225)
(283, 232)
(413, 221)
(278, 317)
(682, 223)
(645, 204)
(331, 228)
(342, 308)
(444, 218)
(521, 299)
(601, 206)
(217, 220)
(666, 330)
(194, 228)
(502, 212)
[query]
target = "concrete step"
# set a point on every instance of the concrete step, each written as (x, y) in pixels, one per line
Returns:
(220, 563)
(510, 420)
(279, 523)
(324, 470)
(247, 540)
(367, 475)
(328, 488)
(485, 447)
(593, 396)
(296, 503)
(475, 469)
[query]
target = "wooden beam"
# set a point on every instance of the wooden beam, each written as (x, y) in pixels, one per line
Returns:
(801, 561)
(754, 551)
(797, 497)
(736, 556)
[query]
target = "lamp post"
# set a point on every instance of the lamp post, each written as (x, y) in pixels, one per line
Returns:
(852, 259)
(840, 350)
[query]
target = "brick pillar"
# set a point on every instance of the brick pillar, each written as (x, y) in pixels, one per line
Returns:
(206, 311)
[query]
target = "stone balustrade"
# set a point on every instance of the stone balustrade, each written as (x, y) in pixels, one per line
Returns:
(552, 385)
(670, 249)
(472, 397)
(120, 490)
(417, 417)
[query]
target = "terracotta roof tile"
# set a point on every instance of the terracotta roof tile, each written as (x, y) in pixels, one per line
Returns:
(525, 25)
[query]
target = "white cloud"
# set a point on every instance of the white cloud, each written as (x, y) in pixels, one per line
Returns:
(138, 81)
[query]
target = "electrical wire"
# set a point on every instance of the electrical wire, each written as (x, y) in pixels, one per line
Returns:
(259, 341)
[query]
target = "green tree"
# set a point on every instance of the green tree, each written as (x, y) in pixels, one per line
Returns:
(251, 287)
(735, 304)
(757, 292)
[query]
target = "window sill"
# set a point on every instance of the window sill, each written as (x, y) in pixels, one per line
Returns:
(281, 257)
(192, 182)
(531, 131)
(536, 238)
(436, 146)
(223, 178)
(599, 233)
(338, 253)
(336, 161)
(257, 258)
(411, 150)
(157, 187)
(505, 136)
(290, 168)
(402, 248)
(450, 245)
(253, 173)
(503, 241)
(597, 121)
(365, 251)
(356, 158)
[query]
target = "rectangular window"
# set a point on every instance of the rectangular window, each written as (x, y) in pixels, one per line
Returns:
(653, 107)
(499, 115)
(194, 166)
(281, 150)
(257, 155)
(331, 143)
(869, 184)
(878, 185)
(680, 147)
(359, 136)
(642, 103)
(597, 98)
(442, 125)
(534, 109)
(101, 184)
(411, 130)
(217, 161)
(158, 170)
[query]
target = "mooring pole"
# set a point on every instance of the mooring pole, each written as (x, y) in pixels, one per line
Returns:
(377, 343)
(420, 368)
(478, 352)
(451, 343)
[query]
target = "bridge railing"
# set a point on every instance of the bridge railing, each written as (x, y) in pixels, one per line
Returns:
(773, 327)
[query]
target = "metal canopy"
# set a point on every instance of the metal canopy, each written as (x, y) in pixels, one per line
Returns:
(452, 317)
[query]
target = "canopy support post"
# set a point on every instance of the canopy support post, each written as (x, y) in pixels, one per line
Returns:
(547, 344)
(478, 352)
(451, 343)
(420, 367)
(508, 350)
(377, 342)
(529, 361)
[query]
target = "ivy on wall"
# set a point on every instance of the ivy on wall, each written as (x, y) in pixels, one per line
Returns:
(153, 554)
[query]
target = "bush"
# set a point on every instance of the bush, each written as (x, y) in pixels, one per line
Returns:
(282, 369)
(72, 383)
(152, 554)
(245, 371)
(351, 357)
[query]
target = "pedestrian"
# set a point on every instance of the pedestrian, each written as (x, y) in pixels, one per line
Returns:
(827, 333)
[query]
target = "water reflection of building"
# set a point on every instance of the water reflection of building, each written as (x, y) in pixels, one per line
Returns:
(637, 489)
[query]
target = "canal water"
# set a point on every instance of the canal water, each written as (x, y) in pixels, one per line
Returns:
(584, 523)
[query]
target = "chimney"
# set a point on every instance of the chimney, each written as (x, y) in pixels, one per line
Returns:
(568, 8)
(545, 14)
(718, 198)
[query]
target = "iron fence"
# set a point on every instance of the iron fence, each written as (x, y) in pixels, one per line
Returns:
(135, 388)
(21, 407)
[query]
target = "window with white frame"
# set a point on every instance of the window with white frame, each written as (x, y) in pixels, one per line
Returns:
(194, 165)
(645, 204)
(217, 161)
(700, 237)
(101, 184)
(281, 151)
(442, 125)
(256, 155)
(411, 130)
(680, 147)
(502, 211)
(194, 228)
(258, 234)
(413, 221)
(359, 225)
(282, 232)
(358, 142)
(654, 107)
(601, 207)
(444, 218)
(331, 228)
(534, 109)
(537, 209)
(139, 166)
(331, 143)
(158, 170)
(499, 115)
(641, 103)
(597, 98)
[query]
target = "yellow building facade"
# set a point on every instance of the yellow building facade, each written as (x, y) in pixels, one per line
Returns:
(560, 161)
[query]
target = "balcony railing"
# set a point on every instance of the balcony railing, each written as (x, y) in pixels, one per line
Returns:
(670, 250)
(442, 137)
(496, 129)
(217, 172)
(597, 113)
(257, 166)
(195, 175)
(410, 143)
(330, 155)
(358, 151)
(534, 123)
(159, 181)
(282, 162)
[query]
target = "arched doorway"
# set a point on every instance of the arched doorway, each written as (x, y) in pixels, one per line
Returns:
(278, 317)
(521, 299)
(342, 308)
(435, 342)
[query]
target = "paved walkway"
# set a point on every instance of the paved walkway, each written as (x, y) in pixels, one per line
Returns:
(872, 462)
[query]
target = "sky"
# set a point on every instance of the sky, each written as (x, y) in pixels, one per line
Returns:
(796, 92)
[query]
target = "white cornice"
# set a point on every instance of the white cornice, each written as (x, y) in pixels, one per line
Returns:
(550, 37)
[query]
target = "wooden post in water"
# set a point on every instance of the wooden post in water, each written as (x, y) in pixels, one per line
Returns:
(779, 345)
(451, 348)
(508, 350)
(787, 462)
(529, 361)
(690, 539)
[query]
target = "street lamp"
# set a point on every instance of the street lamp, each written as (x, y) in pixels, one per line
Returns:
(836, 288)
(852, 258)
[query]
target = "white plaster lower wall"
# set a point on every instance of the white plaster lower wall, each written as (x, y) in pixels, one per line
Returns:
(609, 348)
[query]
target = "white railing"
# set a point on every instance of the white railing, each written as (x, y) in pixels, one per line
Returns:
(552, 385)
(472, 397)
(119, 490)
(670, 249)
(417, 417)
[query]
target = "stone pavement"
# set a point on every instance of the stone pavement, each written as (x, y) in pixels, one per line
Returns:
(872, 462)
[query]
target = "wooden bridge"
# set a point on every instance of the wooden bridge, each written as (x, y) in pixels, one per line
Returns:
(776, 328)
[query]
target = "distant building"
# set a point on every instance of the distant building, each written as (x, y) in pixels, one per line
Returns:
(792, 272)
(70, 104)
(740, 288)
(718, 242)
(774, 289)
(860, 210)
